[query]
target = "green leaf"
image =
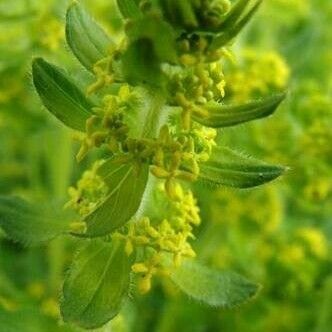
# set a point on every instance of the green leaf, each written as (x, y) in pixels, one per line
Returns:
(129, 9)
(96, 285)
(87, 40)
(140, 65)
(237, 10)
(231, 27)
(229, 168)
(31, 224)
(218, 115)
(126, 188)
(234, 14)
(160, 33)
(151, 43)
(60, 95)
(181, 14)
(212, 287)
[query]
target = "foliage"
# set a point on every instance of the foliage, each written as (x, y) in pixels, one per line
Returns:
(151, 103)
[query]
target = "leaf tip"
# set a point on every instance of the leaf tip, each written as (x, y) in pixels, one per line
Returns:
(36, 62)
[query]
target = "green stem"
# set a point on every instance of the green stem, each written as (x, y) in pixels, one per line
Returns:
(156, 117)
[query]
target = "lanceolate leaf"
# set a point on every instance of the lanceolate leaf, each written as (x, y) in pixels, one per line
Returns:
(212, 287)
(232, 27)
(60, 95)
(219, 115)
(230, 168)
(31, 224)
(96, 285)
(86, 38)
(235, 13)
(129, 8)
(126, 188)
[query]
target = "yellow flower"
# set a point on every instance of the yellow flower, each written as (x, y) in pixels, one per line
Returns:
(36, 289)
(50, 307)
(292, 253)
(318, 189)
(316, 241)
(53, 33)
(147, 270)
(88, 193)
(8, 304)
(259, 74)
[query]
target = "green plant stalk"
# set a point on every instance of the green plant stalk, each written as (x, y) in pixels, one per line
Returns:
(155, 119)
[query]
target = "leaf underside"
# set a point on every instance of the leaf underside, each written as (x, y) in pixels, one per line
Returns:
(215, 288)
(28, 223)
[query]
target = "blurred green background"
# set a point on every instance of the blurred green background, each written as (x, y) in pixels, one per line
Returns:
(278, 235)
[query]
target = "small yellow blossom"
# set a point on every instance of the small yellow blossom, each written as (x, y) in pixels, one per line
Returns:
(50, 307)
(315, 240)
(36, 289)
(89, 192)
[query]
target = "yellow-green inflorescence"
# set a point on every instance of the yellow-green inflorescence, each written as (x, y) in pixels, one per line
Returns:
(90, 191)
(174, 155)
(257, 74)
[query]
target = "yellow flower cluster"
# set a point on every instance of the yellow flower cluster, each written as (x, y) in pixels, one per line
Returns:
(291, 253)
(103, 73)
(8, 304)
(147, 270)
(194, 86)
(36, 290)
(106, 126)
(258, 74)
(315, 240)
(89, 192)
(199, 84)
(318, 188)
(204, 138)
(169, 155)
(316, 140)
(53, 33)
(48, 305)
(170, 236)
(238, 210)
(9, 89)
(177, 157)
